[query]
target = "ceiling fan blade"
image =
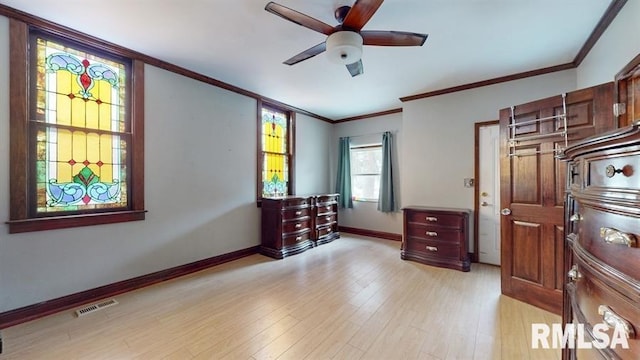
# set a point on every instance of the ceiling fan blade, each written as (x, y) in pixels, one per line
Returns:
(393, 38)
(307, 54)
(299, 18)
(356, 68)
(360, 13)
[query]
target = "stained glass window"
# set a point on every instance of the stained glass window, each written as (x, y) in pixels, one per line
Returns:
(77, 133)
(80, 126)
(275, 152)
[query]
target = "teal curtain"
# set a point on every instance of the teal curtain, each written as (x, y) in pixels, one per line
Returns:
(343, 181)
(386, 198)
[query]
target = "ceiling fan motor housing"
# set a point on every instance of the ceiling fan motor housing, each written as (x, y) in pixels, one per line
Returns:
(344, 47)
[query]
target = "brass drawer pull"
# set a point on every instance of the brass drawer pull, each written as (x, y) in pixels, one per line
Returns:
(432, 248)
(574, 274)
(328, 207)
(575, 217)
(613, 236)
(328, 218)
(329, 231)
(610, 171)
(298, 238)
(298, 225)
(431, 218)
(613, 320)
(298, 212)
(431, 233)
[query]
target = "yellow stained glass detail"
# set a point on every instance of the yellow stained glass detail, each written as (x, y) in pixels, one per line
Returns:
(64, 155)
(78, 112)
(92, 114)
(63, 111)
(79, 146)
(93, 148)
(64, 83)
(275, 166)
(274, 138)
(106, 154)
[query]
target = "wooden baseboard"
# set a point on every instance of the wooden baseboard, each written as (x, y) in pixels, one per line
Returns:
(35, 311)
(371, 233)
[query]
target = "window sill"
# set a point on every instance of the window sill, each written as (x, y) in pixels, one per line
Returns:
(68, 221)
(365, 200)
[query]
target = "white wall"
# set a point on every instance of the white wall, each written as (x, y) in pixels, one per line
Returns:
(619, 44)
(438, 136)
(365, 215)
(312, 155)
(200, 173)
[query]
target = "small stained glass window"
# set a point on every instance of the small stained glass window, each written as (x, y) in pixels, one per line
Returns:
(81, 130)
(275, 152)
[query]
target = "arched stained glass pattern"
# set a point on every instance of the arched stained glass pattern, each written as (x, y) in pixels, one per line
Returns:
(80, 124)
(275, 156)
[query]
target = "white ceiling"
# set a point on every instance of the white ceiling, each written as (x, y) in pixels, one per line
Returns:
(238, 42)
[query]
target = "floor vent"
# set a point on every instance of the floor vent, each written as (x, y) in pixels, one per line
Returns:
(95, 307)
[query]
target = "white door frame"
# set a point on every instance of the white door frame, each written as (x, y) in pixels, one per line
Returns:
(476, 190)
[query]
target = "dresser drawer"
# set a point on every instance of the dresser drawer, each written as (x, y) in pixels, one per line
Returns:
(326, 209)
(291, 240)
(297, 225)
(615, 171)
(578, 319)
(436, 219)
(326, 199)
(324, 231)
(325, 219)
(435, 233)
(596, 300)
(296, 213)
(605, 234)
(433, 248)
(295, 202)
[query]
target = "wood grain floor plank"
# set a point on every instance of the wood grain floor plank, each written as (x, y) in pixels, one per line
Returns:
(351, 299)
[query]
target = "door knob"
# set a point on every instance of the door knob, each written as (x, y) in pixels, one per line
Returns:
(484, 203)
(505, 211)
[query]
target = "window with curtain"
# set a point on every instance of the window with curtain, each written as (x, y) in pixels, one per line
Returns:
(81, 157)
(366, 165)
(275, 152)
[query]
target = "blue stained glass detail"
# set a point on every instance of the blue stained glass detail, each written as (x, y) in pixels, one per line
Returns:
(85, 188)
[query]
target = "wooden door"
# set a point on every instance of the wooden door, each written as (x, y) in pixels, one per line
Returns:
(532, 188)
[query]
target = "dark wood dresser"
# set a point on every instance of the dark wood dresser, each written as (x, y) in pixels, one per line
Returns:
(293, 224)
(436, 236)
(602, 224)
(326, 218)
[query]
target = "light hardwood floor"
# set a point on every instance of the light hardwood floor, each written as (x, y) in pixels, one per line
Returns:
(351, 299)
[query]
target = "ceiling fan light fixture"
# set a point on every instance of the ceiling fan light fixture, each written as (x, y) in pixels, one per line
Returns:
(344, 47)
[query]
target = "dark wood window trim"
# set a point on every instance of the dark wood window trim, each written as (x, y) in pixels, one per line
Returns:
(20, 218)
(291, 131)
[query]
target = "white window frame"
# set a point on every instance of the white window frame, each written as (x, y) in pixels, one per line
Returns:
(355, 174)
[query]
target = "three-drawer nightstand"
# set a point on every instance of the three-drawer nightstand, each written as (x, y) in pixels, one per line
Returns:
(436, 236)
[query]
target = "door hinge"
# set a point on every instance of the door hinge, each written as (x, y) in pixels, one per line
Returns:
(619, 109)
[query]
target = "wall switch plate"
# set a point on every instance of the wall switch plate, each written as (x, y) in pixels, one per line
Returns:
(468, 183)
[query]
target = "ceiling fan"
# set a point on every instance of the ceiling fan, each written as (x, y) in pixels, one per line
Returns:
(344, 41)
